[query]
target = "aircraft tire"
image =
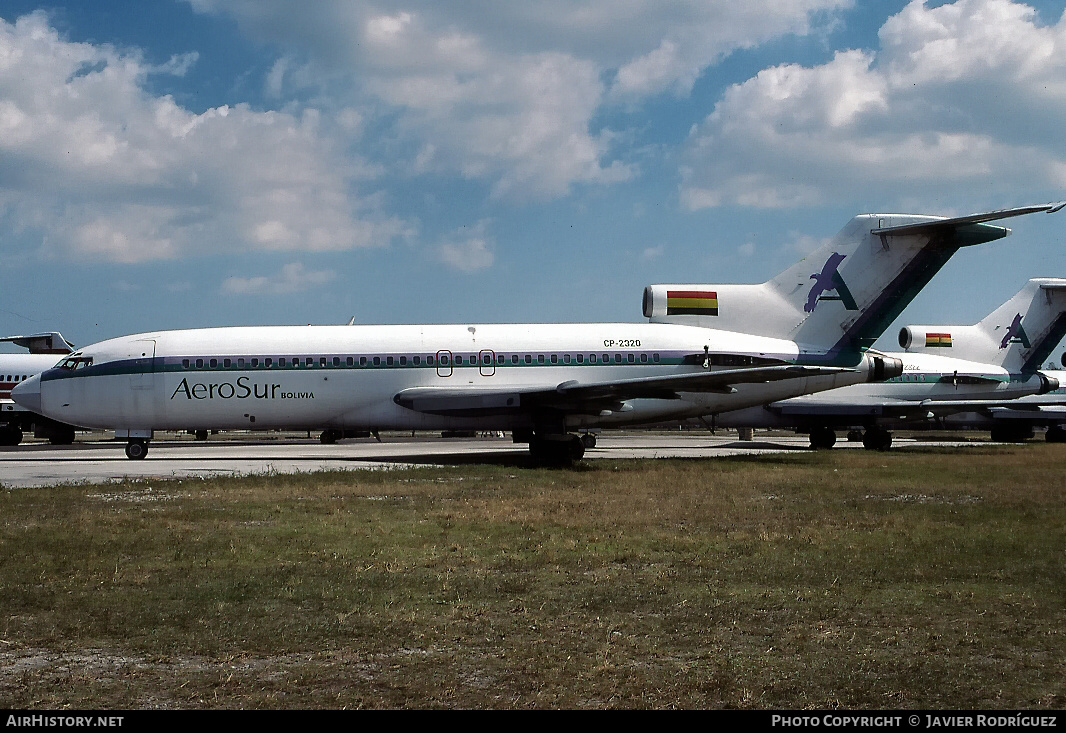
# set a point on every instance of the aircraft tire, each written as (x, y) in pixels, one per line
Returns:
(62, 436)
(556, 450)
(10, 435)
(1055, 434)
(588, 440)
(877, 439)
(823, 438)
(575, 447)
(1011, 433)
(136, 450)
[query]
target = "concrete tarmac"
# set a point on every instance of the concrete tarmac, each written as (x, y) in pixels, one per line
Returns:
(99, 461)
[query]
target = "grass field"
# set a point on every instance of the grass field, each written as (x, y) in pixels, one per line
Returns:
(927, 578)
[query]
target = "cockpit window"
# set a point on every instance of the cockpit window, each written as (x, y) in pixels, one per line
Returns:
(75, 362)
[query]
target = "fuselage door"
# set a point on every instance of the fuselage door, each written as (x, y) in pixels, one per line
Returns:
(486, 361)
(142, 366)
(444, 363)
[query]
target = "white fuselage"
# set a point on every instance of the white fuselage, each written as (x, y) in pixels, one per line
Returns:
(346, 377)
(926, 380)
(17, 368)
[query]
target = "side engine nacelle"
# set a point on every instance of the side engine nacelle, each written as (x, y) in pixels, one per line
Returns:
(945, 340)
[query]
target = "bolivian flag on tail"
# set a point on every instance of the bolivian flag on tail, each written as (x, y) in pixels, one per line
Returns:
(938, 340)
(691, 303)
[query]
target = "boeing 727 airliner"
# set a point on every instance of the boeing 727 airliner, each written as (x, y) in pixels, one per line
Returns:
(44, 349)
(989, 367)
(538, 381)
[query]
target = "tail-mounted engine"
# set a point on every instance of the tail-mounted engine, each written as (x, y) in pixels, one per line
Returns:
(883, 367)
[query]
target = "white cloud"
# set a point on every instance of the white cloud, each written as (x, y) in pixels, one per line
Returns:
(292, 278)
(653, 253)
(469, 251)
(508, 92)
(964, 95)
(104, 170)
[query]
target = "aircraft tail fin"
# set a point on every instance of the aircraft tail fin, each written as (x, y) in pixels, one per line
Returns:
(1018, 335)
(838, 300)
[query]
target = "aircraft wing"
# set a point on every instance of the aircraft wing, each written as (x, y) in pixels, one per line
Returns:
(1028, 412)
(893, 408)
(592, 397)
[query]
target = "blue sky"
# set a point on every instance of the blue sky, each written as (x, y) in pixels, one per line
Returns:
(188, 163)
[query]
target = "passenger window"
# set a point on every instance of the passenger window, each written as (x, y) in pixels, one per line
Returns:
(269, 362)
(240, 362)
(643, 358)
(580, 358)
(350, 361)
(362, 361)
(281, 362)
(403, 361)
(226, 362)
(514, 358)
(185, 363)
(529, 358)
(554, 359)
(540, 358)
(377, 361)
(388, 360)
(417, 360)
(199, 363)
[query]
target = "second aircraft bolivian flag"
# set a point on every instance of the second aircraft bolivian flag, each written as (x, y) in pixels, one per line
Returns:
(938, 340)
(691, 303)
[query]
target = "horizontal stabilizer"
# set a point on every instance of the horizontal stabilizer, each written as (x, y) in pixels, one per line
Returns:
(978, 230)
(49, 342)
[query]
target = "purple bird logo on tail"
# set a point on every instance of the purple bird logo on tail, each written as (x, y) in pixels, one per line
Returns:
(829, 279)
(1015, 331)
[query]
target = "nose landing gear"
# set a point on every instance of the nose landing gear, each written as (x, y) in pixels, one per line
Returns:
(136, 449)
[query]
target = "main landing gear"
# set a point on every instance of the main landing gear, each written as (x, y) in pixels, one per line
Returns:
(557, 449)
(1012, 433)
(136, 449)
(874, 438)
(823, 438)
(10, 434)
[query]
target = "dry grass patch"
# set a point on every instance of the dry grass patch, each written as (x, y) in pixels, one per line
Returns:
(909, 579)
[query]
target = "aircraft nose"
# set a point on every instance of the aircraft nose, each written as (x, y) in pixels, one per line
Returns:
(28, 394)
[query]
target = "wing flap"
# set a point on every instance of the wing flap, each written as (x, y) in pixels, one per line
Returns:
(592, 397)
